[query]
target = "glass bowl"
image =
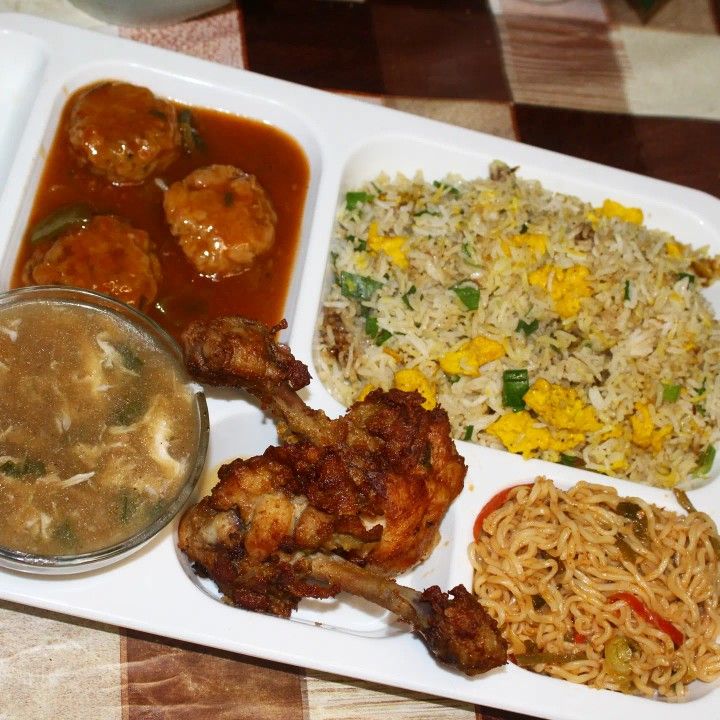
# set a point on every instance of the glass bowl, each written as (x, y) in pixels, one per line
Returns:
(103, 434)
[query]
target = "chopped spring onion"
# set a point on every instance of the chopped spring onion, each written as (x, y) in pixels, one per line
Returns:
(683, 275)
(527, 328)
(353, 199)
(34, 468)
(189, 135)
(371, 326)
(452, 379)
(515, 386)
(358, 287)
(705, 461)
(571, 460)
(447, 188)
(60, 220)
(406, 297)
(523, 229)
(670, 392)
(468, 293)
(467, 435)
(626, 293)
(382, 336)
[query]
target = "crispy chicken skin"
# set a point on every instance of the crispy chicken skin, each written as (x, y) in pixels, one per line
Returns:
(378, 480)
(222, 218)
(124, 133)
(108, 255)
(342, 505)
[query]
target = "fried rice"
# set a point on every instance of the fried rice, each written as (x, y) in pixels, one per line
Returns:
(542, 324)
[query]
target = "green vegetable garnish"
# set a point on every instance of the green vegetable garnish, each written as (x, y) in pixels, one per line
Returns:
(468, 293)
(626, 294)
(625, 550)
(60, 220)
(571, 460)
(452, 379)
(129, 503)
(358, 287)
(382, 336)
(523, 229)
(406, 297)
(515, 385)
(129, 358)
(29, 466)
(129, 411)
(65, 533)
(353, 199)
(670, 392)
(705, 461)
(371, 326)
(189, 136)
(467, 435)
(618, 655)
(690, 277)
(447, 188)
(527, 328)
(632, 511)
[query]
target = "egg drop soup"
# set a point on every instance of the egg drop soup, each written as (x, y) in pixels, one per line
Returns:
(98, 429)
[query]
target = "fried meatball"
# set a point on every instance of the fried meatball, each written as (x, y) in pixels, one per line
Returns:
(123, 132)
(222, 217)
(108, 255)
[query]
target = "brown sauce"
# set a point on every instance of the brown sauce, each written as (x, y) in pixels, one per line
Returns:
(275, 158)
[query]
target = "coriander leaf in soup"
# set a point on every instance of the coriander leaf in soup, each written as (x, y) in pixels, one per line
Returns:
(65, 534)
(29, 467)
(129, 411)
(468, 293)
(357, 287)
(353, 199)
(131, 360)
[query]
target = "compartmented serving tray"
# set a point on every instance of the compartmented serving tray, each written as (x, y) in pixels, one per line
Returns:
(346, 142)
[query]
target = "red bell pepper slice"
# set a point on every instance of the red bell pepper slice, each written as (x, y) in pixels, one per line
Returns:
(495, 502)
(579, 638)
(650, 616)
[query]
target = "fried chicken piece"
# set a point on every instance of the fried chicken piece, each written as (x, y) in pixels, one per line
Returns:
(457, 630)
(342, 505)
(372, 486)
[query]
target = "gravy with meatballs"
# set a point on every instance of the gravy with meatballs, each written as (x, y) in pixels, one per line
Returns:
(174, 278)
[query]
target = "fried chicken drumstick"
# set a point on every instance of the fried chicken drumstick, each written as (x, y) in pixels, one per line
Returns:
(343, 505)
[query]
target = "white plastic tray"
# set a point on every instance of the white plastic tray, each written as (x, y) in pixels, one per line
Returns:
(346, 142)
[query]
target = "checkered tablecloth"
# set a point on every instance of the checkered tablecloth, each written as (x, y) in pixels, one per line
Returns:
(587, 78)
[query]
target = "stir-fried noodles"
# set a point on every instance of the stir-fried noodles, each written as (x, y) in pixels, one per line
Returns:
(599, 589)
